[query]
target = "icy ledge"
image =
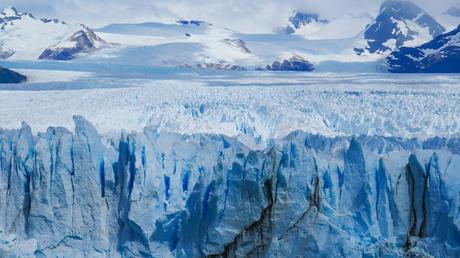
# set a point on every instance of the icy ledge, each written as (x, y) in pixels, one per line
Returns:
(156, 194)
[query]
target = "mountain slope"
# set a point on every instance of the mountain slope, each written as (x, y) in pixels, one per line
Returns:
(51, 39)
(182, 44)
(442, 54)
(202, 45)
(211, 47)
(398, 24)
(303, 23)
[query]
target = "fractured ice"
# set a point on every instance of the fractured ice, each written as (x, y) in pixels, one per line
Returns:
(159, 194)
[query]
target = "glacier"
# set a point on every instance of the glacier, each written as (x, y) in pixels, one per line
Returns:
(159, 194)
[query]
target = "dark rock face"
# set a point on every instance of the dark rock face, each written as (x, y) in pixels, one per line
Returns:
(46, 20)
(8, 76)
(441, 55)
(300, 19)
(190, 22)
(238, 44)
(453, 11)
(153, 194)
(85, 41)
(220, 66)
(392, 23)
(5, 54)
(295, 63)
(9, 14)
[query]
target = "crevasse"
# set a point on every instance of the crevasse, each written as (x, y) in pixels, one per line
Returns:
(151, 194)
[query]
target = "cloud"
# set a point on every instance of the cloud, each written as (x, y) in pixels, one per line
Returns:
(256, 16)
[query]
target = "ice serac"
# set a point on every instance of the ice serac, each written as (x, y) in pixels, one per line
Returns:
(158, 194)
(9, 76)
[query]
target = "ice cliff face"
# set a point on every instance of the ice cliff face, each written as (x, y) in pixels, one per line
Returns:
(155, 194)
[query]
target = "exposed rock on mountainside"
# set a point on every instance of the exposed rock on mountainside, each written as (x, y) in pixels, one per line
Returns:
(52, 39)
(82, 41)
(295, 63)
(299, 20)
(399, 23)
(237, 43)
(440, 55)
(221, 66)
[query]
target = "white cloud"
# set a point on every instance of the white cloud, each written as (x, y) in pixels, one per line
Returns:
(259, 16)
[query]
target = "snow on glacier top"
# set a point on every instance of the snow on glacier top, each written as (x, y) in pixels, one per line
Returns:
(253, 108)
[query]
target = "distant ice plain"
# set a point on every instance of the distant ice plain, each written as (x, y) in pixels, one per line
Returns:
(251, 106)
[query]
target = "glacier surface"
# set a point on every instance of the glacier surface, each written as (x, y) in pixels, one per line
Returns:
(159, 194)
(251, 107)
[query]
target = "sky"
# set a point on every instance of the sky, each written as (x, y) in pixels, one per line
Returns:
(249, 16)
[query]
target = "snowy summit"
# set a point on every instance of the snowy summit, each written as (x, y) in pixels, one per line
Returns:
(52, 39)
(399, 23)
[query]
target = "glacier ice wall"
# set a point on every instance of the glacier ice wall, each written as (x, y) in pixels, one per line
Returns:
(154, 194)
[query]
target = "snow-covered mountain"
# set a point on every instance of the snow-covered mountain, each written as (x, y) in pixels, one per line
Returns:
(152, 194)
(442, 54)
(207, 46)
(22, 36)
(300, 19)
(303, 23)
(198, 44)
(398, 24)
(8, 76)
(185, 44)
(295, 63)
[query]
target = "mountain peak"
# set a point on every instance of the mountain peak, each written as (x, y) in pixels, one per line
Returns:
(299, 19)
(400, 23)
(10, 12)
(453, 11)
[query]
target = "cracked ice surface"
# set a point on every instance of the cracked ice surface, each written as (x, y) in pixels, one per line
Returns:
(252, 108)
